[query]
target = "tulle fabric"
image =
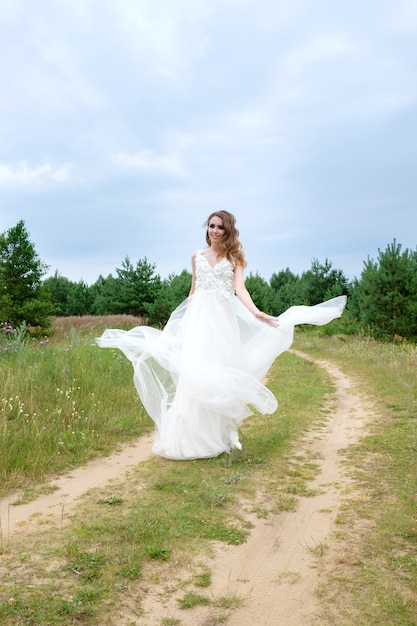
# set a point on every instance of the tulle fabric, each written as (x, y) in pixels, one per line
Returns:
(200, 377)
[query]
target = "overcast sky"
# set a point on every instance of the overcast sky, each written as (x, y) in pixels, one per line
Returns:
(124, 123)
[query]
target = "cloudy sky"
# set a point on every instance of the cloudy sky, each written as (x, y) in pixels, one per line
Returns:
(124, 123)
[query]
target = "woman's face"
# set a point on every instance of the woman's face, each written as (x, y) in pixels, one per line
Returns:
(215, 229)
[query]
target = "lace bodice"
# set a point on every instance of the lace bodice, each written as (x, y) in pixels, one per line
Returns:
(218, 279)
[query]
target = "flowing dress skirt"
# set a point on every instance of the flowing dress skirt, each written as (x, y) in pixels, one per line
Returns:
(200, 376)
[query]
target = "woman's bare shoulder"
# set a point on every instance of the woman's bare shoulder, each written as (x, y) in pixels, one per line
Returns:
(237, 264)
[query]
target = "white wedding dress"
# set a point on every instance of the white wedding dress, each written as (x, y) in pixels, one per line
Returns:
(200, 376)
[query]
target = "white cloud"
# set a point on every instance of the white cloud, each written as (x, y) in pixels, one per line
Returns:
(316, 52)
(279, 112)
(148, 162)
(164, 38)
(23, 175)
(405, 18)
(277, 236)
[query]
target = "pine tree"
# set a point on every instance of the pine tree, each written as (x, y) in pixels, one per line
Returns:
(23, 297)
(387, 293)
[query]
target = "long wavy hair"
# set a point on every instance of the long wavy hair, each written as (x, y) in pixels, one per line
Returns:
(229, 246)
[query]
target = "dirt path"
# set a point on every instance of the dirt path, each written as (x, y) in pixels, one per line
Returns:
(54, 507)
(275, 571)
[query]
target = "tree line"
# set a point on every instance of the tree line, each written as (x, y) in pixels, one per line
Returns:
(382, 302)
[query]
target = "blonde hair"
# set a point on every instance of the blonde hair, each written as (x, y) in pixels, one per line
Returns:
(229, 246)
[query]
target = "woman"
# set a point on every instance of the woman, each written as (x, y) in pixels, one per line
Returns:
(198, 377)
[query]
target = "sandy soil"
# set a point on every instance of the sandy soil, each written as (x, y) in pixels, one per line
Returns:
(54, 507)
(276, 571)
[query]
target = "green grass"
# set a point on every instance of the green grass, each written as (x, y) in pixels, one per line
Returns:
(166, 514)
(203, 579)
(63, 402)
(157, 526)
(191, 599)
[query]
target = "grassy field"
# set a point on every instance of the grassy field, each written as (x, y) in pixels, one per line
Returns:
(66, 401)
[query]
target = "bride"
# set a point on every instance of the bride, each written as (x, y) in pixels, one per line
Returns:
(200, 376)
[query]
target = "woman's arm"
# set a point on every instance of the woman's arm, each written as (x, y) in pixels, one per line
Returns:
(192, 275)
(244, 296)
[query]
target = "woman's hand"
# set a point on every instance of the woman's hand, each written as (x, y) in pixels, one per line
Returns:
(268, 319)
